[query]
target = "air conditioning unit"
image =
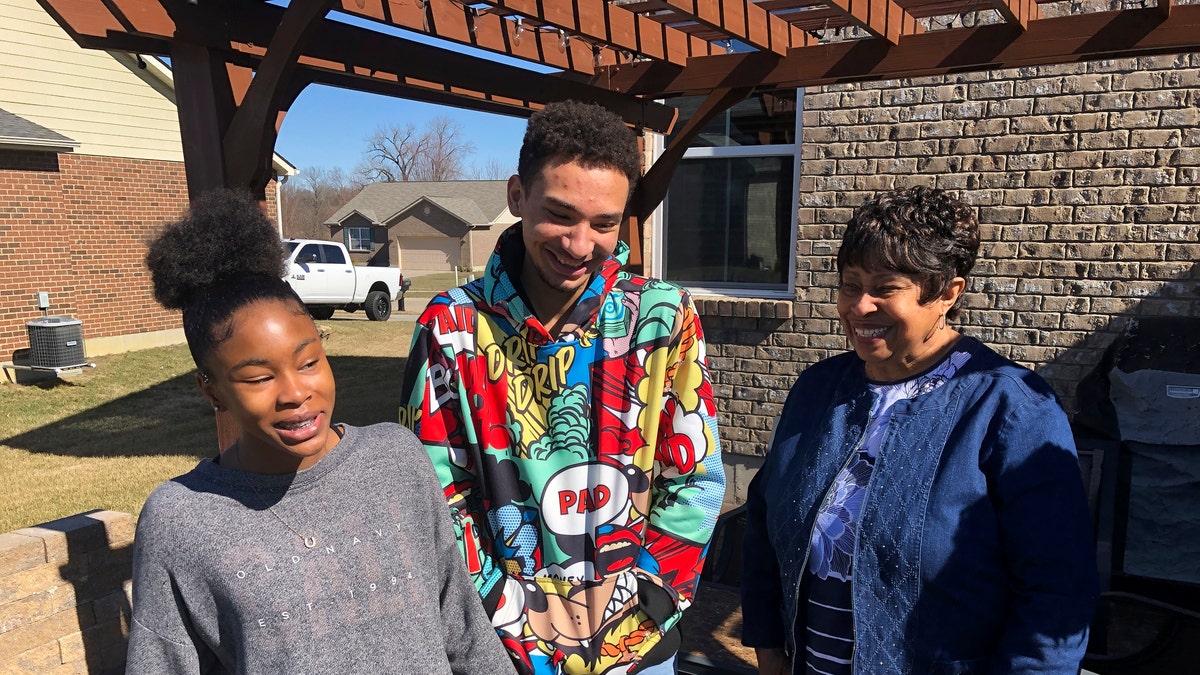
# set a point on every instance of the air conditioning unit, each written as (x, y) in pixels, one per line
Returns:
(56, 342)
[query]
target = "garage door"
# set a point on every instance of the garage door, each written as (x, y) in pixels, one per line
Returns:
(428, 253)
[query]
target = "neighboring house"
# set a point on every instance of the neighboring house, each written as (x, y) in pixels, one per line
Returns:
(91, 165)
(424, 226)
(1085, 178)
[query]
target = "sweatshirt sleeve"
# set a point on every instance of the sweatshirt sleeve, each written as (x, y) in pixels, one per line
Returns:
(160, 637)
(1047, 541)
(430, 406)
(689, 481)
(472, 644)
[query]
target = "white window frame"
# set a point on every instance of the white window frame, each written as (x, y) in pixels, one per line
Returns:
(781, 150)
(370, 239)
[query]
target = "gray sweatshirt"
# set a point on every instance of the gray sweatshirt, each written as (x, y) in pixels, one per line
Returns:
(353, 568)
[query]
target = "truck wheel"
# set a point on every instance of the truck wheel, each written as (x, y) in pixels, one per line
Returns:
(320, 312)
(378, 306)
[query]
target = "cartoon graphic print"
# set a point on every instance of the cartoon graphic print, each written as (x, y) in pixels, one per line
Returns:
(584, 466)
(516, 529)
(589, 624)
(569, 430)
(617, 408)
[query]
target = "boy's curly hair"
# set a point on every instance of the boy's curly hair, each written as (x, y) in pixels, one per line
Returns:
(222, 255)
(921, 231)
(572, 131)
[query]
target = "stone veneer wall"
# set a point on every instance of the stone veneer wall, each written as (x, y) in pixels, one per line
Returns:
(1086, 182)
(65, 595)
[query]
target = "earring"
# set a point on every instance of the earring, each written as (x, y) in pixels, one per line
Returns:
(943, 323)
(216, 408)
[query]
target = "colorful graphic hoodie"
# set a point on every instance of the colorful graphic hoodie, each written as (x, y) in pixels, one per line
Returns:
(583, 471)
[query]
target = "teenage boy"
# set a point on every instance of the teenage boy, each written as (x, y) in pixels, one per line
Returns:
(568, 411)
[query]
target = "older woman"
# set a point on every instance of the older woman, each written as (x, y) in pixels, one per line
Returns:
(921, 509)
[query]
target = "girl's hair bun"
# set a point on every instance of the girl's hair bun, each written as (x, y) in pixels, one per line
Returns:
(224, 235)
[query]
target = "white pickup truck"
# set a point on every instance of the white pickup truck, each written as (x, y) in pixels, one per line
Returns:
(324, 277)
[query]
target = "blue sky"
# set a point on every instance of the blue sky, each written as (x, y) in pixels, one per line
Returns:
(328, 127)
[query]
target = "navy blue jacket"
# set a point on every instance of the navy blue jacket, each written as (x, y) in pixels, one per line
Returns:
(974, 551)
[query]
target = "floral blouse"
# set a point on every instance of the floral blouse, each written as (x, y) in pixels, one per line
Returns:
(828, 641)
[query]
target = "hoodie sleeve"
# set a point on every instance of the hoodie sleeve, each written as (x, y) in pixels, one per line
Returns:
(689, 477)
(430, 406)
(472, 644)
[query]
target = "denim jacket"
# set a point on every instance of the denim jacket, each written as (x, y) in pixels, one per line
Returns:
(974, 552)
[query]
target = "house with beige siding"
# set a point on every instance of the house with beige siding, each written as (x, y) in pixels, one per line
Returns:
(424, 226)
(91, 165)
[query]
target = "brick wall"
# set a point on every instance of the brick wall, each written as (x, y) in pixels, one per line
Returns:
(1086, 181)
(76, 226)
(64, 595)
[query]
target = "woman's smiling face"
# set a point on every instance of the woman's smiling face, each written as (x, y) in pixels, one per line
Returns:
(272, 376)
(891, 330)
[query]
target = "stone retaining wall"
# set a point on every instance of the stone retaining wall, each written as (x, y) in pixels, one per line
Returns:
(65, 595)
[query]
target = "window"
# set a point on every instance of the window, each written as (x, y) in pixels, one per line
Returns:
(728, 222)
(311, 253)
(333, 255)
(359, 239)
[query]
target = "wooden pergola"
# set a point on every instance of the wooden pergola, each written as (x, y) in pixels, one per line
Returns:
(240, 64)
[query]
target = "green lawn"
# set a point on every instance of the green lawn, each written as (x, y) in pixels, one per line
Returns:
(103, 439)
(429, 284)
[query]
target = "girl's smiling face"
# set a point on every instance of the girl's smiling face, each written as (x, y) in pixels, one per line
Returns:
(272, 376)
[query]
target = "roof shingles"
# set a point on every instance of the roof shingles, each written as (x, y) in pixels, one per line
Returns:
(477, 202)
(17, 130)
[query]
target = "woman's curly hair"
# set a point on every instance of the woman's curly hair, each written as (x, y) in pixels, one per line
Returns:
(921, 231)
(572, 131)
(222, 255)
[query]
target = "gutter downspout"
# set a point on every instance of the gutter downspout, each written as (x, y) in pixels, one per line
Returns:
(279, 203)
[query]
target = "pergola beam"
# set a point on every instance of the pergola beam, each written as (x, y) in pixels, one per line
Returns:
(607, 23)
(1066, 39)
(446, 20)
(611, 28)
(342, 49)
(881, 18)
(205, 108)
(1017, 12)
(455, 98)
(250, 139)
(653, 187)
(739, 20)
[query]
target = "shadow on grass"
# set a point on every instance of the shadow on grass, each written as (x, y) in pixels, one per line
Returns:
(368, 388)
(172, 418)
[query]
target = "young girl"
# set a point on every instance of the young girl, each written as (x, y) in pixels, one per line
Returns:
(305, 547)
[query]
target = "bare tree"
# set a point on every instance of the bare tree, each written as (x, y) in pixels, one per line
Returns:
(490, 170)
(311, 197)
(446, 149)
(393, 154)
(401, 153)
